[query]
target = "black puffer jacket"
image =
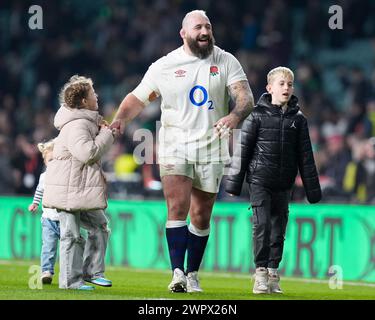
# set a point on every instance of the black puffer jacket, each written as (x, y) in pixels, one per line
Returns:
(273, 147)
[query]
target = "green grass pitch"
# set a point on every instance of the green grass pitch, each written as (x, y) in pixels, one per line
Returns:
(131, 284)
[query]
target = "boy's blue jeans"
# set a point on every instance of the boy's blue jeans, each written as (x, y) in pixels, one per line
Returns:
(50, 238)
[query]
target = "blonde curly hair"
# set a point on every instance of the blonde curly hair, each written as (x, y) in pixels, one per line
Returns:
(46, 147)
(76, 89)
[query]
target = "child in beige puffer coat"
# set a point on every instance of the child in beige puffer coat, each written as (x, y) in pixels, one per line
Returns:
(75, 185)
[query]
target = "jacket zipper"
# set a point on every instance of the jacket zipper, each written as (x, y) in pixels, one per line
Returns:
(281, 142)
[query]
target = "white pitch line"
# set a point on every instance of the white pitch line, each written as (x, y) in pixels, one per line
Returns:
(208, 274)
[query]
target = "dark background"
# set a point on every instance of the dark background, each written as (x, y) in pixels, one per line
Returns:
(114, 42)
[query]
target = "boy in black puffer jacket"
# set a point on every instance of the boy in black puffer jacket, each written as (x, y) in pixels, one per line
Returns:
(274, 145)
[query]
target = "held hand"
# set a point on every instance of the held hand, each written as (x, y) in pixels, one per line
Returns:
(117, 125)
(104, 123)
(225, 126)
(115, 132)
(114, 127)
(33, 207)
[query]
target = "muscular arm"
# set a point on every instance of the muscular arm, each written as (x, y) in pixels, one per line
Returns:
(129, 108)
(242, 96)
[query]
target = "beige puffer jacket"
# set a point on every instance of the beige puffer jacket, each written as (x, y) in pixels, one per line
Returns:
(74, 179)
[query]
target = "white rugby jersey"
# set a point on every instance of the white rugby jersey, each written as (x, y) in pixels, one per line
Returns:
(194, 96)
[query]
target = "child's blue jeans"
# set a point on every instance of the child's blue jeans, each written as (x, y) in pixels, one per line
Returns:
(50, 237)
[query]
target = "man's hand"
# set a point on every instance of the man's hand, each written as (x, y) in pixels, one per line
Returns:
(225, 125)
(33, 207)
(117, 127)
(129, 108)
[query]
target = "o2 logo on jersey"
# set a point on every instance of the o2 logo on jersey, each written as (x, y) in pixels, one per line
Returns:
(200, 102)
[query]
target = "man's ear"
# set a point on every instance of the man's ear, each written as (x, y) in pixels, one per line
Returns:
(182, 33)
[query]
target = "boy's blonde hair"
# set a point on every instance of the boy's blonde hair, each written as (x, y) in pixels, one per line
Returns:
(46, 147)
(286, 72)
(76, 89)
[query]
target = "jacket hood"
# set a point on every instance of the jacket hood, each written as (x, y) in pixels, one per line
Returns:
(65, 115)
(266, 98)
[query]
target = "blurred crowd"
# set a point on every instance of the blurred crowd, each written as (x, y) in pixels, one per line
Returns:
(115, 41)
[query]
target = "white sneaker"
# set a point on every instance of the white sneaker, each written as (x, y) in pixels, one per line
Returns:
(178, 283)
(273, 283)
(193, 282)
(46, 277)
(261, 281)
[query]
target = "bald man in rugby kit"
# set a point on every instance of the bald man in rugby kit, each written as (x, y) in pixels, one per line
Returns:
(195, 82)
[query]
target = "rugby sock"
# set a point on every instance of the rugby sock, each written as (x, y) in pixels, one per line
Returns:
(197, 241)
(177, 237)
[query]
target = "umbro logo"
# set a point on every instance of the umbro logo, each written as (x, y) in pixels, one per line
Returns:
(293, 125)
(180, 73)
